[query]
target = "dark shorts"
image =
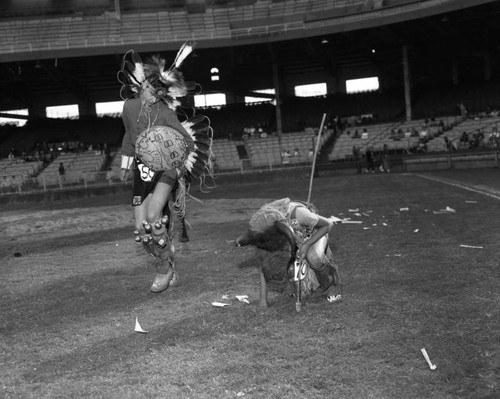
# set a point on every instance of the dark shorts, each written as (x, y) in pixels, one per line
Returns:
(146, 180)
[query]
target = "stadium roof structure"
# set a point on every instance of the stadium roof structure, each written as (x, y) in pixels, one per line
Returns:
(75, 47)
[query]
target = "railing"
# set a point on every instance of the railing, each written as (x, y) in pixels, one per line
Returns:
(25, 185)
(102, 179)
(455, 160)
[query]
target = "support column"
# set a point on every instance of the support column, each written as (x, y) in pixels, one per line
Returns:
(407, 83)
(454, 70)
(277, 90)
(486, 66)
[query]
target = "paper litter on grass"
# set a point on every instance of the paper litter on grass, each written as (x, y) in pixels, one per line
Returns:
(138, 327)
(354, 210)
(445, 210)
(242, 298)
(471, 246)
(471, 202)
(404, 209)
(219, 304)
(415, 231)
(428, 360)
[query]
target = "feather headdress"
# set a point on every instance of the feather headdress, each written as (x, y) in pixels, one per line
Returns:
(168, 83)
(198, 163)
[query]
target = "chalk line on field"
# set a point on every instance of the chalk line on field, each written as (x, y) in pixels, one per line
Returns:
(460, 185)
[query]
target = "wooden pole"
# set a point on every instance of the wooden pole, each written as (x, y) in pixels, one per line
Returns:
(314, 159)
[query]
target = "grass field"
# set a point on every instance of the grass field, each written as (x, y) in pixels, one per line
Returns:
(73, 283)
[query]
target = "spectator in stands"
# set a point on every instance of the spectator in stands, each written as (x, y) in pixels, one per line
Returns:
(62, 171)
(356, 156)
(215, 166)
(447, 144)
(424, 132)
(386, 159)
(109, 175)
(5, 185)
(12, 153)
(422, 146)
(494, 139)
(285, 156)
(464, 140)
(369, 159)
(337, 126)
(441, 126)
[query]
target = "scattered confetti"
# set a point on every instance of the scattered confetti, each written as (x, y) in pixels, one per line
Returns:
(334, 298)
(242, 298)
(138, 327)
(220, 304)
(426, 356)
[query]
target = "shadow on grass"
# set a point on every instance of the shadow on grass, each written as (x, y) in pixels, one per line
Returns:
(44, 245)
(214, 329)
(108, 291)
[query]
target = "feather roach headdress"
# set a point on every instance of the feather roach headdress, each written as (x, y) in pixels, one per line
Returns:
(168, 83)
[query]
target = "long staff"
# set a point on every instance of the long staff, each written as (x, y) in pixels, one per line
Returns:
(314, 159)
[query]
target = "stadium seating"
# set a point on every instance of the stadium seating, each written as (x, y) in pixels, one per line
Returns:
(79, 167)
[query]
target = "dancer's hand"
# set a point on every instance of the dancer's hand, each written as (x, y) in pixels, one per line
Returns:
(335, 219)
(302, 253)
